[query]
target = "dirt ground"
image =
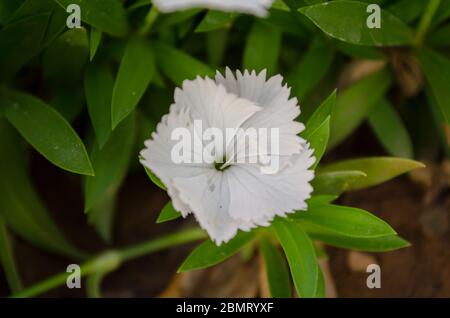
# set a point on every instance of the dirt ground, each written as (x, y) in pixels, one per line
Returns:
(422, 270)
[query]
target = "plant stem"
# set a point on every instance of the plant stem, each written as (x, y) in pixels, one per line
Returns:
(149, 20)
(425, 21)
(111, 260)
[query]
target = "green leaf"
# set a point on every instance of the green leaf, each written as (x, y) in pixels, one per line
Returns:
(168, 213)
(437, 72)
(321, 199)
(135, 72)
(377, 169)
(301, 256)
(56, 23)
(335, 183)
(179, 66)
(320, 293)
(155, 179)
(262, 48)
(208, 253)
(320, 115)
(407, 10)
(7, 9)
(68, 101)
(7, 259)
(375, 244)
(359, 51)
(347, 21)
(48, 132)
(277, 271)
(13, 53)
(318, 140)
(355, 103)
(102, 213)
(106, 15)
(95, 37)
(311, 69)
(343, 220)
(440, 37)
(110, 163)
(20, 207)
(98, 87)
(390, 130)
(64, 61)
(214, 20)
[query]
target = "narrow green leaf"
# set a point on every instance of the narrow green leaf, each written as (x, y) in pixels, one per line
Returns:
(390, 130)
(98, 87)
(348, 21)
(168, 213)
(20, 207)
(208, 253)
(214, 20)
(301, 256)
(336, 182)
(320, 114)
(135, 72)
(318, 140)
(321, 199)
(110, 163)
(106, 15)
(13, 53)
(311, 69)
(262, 48)
(95, 37)
(48, 132)
(437, 72)
(375, 244)
(179, 66)
(102, 213)
(7, 259)
(276, 268)
(320, 293)
(155, 179)
(377, 169)
(355, 103)
(343, 220)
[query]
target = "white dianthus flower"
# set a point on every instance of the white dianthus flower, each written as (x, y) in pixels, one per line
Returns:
(255, 7)
(236, 195)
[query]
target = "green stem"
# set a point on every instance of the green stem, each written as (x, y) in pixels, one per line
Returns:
(425, 21)
(108, 261)
(149, 20)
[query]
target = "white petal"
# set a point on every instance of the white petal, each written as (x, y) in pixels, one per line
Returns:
(258, 198)
(255, 7)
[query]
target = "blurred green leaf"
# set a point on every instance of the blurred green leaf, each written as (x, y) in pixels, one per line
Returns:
(355, 103)
(442, 13)
(311, 69)
(68, 101)
(155, 179)
(214, 20)
(321, 199)
(20, 207)
(95, 37)
(56, 22)
(286, 21)
(48, 132)
(301, 256)
(437, 72)
(208, 253)
(167, 20)
(178, 65)
(320, 293)
(335, 183)
(277, 271)
(407, 10)
(64, 60)
(7, 9)
(439, 37)
(110, 163)
(262, 48)
(135, 72)
(106, 15)
(7, 259)
(168, 213)
(15, 54)
(343, 220)
(347, 21)
(216, 45)
(360, 51)
(102, 213)
(377, 169)
(390, 130)
(98, 87)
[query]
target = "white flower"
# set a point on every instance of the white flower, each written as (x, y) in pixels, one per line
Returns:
(239, 197)
(255, 7)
